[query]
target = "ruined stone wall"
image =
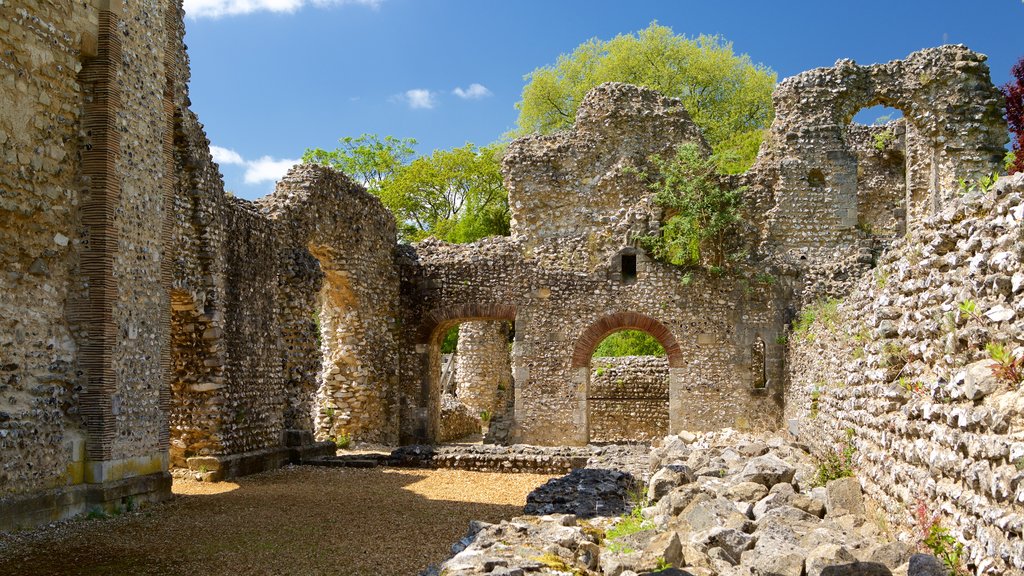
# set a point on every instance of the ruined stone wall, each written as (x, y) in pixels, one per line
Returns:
(577, 202)
(628, 398)
(808, 165)
(483, 369)
(709, 325)
(457, 420)
(576, 197)
(40, 189)
(353, 237)
(903, 365)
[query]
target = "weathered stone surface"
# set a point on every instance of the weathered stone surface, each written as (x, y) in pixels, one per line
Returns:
(844, 497)
(747, 491)
(668, 479)
(768, 470)
(926, 565)
(907, 399)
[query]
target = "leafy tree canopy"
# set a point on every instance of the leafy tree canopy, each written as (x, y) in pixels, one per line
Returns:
(455, 195)
(629, 343)
(726, 94)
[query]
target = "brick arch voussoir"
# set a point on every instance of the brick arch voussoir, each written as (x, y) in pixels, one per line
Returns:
(599, 330)
(445, 317)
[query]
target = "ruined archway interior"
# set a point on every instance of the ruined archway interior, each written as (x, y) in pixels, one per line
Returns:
(142, 301)
(628, 389)
(475, 378)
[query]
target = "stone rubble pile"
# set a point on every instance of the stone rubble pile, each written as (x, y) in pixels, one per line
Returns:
(724, 503)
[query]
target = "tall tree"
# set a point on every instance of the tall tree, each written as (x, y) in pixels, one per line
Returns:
(456, 195)
(727, 95)
(1014, 92)
(367, 158)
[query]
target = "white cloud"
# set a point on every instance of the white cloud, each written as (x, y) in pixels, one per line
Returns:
(420, 98)
(225, 155)
(474, 92)
(218, 8)
(266, 169)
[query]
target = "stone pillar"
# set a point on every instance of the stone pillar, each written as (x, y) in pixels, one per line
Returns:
(482, 366)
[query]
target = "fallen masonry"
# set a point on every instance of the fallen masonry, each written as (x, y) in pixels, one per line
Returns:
(725, 503)
(151, 321)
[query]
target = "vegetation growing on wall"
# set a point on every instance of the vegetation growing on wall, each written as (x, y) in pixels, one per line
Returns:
(1014, 93)
(727, 95)
(699, 211)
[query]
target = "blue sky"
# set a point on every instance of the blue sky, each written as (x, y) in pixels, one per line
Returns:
(271, 78)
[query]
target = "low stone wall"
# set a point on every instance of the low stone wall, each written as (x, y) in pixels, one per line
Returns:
(901, 363)
(490, 458)
(628, 398)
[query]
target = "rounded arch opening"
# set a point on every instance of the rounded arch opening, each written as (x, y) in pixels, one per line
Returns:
(880, 137)
(624, 365)
(588, 342)
(442, 415)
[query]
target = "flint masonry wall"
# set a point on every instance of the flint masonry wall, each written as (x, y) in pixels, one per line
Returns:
(953, 130)
(628, 399)
(560, 279)
(904, 367)
(147, 315)
(352, 236)
(85, 191)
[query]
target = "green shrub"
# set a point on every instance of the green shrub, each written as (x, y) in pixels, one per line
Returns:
(837, 463)
(699, 212)
(825, 312)
(937, 538)
(883, 139)
(1007, 367)
(343, 440)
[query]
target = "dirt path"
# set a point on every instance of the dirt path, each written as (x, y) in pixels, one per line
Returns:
(299, 520)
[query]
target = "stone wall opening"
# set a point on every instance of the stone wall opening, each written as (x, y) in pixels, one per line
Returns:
(641, 407)
(488, 334)
(628, 390)
(476, 381)
(196, 379)
(877, 136)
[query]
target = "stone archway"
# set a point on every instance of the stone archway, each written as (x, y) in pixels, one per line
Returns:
(582, 356)
(436, 323)
(596, 332)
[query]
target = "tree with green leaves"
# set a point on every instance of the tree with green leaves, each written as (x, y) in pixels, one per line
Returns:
(629, 343)
(456, 195)
(367, 158)
(726, 94)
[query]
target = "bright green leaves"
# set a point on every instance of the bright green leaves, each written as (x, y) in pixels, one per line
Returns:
(726, 94)
(699, 211)
(455, 195)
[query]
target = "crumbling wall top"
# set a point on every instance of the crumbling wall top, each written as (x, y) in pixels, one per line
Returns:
(582, 187)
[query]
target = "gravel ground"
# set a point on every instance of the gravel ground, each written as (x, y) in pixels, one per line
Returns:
(298, 520)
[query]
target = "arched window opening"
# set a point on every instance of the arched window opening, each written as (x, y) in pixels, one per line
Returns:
(878, 137)
(758, 374)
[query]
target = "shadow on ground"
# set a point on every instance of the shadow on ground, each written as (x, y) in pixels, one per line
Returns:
(301, 520)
